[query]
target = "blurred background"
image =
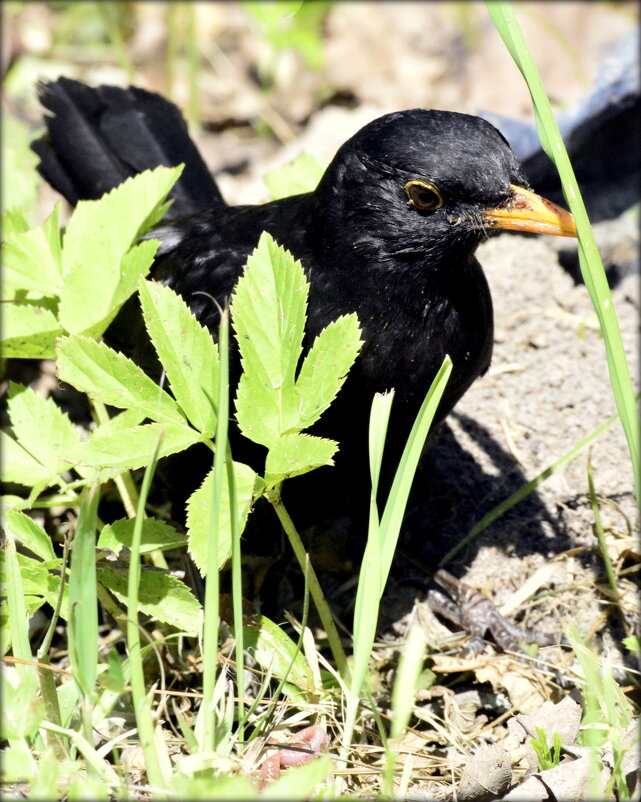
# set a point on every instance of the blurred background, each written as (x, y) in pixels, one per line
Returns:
(260, 74)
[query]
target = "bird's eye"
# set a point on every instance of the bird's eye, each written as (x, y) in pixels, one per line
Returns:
(423, 196)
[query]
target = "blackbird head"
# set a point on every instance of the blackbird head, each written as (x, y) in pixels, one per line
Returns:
(428, 186)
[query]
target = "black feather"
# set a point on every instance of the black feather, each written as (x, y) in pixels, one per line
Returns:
(96, 138)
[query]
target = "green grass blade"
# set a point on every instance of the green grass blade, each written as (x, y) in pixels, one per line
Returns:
(369, 591)
(316, 592)
(403, 697)
(83, 608)
(18, 617)
(144, 720)
(397, 500)
(589, 258)
(207, 718)
(237, 595)
(382, 538)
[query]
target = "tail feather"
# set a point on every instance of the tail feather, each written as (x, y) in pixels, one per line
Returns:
(98, 137)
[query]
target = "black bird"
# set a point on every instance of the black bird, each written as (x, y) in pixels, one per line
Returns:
(390, 233)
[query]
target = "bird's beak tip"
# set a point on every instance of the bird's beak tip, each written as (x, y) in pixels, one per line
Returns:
(527, 211)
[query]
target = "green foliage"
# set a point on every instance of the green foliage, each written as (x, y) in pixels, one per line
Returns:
(52, 279)
(160, 595)
(607, 712)
(43, 436)
(301, 175)
(383, 530)
(83, 607)
(548, 757)
(108, 376)
(39, 575)
(276, 652)
(51, 292)
(291, 24)
(273, 404)
(41, 427)
(198, 514)
(49, 285)
(190, 357)
(155, 535)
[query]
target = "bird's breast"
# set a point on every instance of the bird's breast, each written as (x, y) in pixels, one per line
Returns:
(408, 331)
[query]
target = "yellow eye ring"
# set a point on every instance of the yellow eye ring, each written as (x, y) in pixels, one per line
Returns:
(423, 196)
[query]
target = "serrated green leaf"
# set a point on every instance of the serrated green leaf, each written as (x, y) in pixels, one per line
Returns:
(128, 449)
(156, 534)
(199, 515)
(98, 242)
(160, 595)
(100, 232)
(111, 377)
(10, 502)
(326, 366)
(268, 314)
(126, 419)
(300, 175)
(53, 235)
(41, 427)
(85, 311)
(256, 410)
(30, 534)
(19, 466)
(187, 353)
(275, 651)
(14, 222)
(29, 264)
(38, 578)
(295, 454)
(30, 332)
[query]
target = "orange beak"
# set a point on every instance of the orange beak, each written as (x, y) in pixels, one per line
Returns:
(527, 211)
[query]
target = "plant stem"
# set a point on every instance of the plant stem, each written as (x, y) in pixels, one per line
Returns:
(314, 587)
(127, 489)
(237, 596)
(206, 716)
(142, 711)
